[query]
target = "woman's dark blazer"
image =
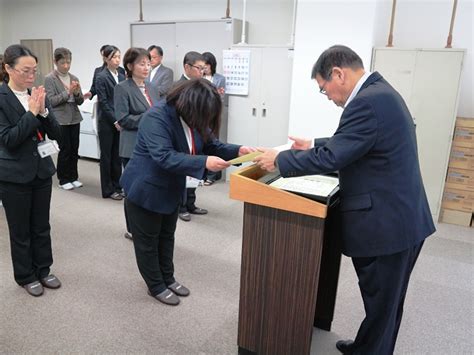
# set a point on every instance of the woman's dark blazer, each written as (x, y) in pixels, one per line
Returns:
(19, 158)
(155, 177)
(105, 86)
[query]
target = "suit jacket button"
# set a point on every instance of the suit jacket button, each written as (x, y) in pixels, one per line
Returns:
(35, 154)
(34, 138)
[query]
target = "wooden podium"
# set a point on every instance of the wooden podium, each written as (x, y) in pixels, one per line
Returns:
(290, 266)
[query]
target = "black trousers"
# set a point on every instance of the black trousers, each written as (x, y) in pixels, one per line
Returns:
(27, 211)
(153, 240)
(383, 283)
(127, 223)
(68, 154)
(110, 167)
(189, 201)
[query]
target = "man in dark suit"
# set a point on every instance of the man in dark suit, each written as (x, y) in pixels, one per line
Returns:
(385, 215)
(193, 66)
(160, 79)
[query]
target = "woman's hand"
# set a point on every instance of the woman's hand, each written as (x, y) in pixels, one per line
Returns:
(34, 105)
(87, 95)
(74, 88)
(300, 143)
(246, 150)
(216, 164)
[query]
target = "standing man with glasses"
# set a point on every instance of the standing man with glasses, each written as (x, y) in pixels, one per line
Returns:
(193, 66)
(161, 77)
(385, 216)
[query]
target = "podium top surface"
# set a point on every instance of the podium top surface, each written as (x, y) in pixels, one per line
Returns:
(245, 187)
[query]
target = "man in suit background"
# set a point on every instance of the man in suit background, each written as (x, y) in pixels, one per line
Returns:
(385, 215)
(161, 77)
(193, 66)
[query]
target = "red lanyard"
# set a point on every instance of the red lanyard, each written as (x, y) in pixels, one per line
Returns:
(193, 147)
(40, 136)
(147, 96)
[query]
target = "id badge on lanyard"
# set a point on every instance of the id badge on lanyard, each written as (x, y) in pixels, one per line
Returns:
(46, 149)
(191, 182)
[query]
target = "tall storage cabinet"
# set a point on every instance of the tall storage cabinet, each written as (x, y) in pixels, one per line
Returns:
(261, 117)
(179, 37)
(428, 80)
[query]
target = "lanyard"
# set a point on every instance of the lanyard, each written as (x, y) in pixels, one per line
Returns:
(193, 147)
(40, 136)
(147, 96)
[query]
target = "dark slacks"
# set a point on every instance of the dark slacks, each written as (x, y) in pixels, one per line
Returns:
(110, 167)
(68, 154)
(127, 223)
(383, 282)
(27, 211)
(153, 240)
(189, 200)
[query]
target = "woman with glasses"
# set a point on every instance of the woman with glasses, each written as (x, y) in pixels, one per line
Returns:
(26, 168)
(218, 81)
(175, 140)
(108, 127)
(131, 101)
(64, 93)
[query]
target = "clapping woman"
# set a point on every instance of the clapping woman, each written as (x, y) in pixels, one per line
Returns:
(26, 168)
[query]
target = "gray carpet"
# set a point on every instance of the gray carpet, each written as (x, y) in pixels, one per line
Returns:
(103, 306)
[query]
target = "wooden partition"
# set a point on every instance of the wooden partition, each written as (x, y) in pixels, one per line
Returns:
(290, 267)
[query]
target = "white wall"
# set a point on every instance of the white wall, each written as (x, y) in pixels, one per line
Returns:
(84, 26)
(362, 25)
(2, 25)
(319, 25)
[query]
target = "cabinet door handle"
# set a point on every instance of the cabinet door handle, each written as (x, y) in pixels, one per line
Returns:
(254, 111)
(264, 112)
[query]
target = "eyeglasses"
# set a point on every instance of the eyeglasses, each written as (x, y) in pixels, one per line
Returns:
(323, 90)
(198, 67)
(27, 72)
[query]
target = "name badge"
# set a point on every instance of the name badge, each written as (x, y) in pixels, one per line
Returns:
(192, 182)
(45, 149)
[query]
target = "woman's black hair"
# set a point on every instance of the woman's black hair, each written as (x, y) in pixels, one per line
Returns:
(110, 51)
(131, 56)
(199, 104)
(11, 56)
(211, 60)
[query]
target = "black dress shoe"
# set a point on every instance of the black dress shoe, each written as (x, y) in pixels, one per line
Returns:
(51, 281)
(179, 289)
(345, 346)
(198, 210)
(184, 216)
(34, 288)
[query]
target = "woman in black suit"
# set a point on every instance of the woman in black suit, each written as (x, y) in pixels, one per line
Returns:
(26, 168)
(108, 127)
(174, 141)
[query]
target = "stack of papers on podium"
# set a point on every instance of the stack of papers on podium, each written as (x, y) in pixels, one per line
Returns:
(315, 185)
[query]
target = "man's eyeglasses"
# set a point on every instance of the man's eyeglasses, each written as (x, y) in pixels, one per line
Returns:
(198, 67)
(323, 90)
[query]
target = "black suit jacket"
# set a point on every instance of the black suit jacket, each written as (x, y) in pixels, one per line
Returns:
(105, 86)
(97, 70)
(384, 208)
(19, 158)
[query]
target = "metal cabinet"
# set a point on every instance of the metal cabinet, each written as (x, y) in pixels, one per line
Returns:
(429, 81)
